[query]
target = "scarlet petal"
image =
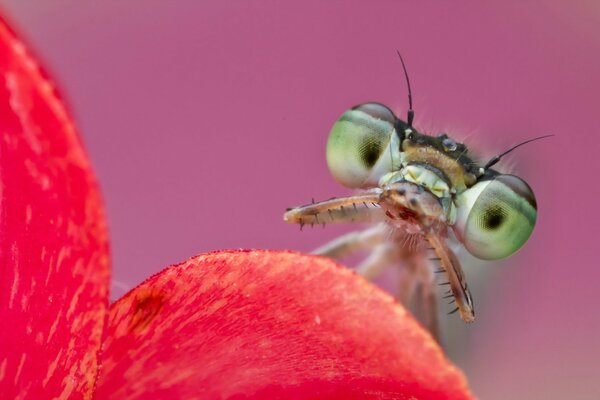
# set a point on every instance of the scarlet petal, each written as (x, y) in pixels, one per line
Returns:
(261, 324)
(53, 245)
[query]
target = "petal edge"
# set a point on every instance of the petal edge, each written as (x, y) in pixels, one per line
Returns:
(253, 324)
(53, 241)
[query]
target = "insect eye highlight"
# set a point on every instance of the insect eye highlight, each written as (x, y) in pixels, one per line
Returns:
(495, 218)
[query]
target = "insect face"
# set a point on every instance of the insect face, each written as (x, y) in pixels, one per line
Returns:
(416, 188)
(493, 215)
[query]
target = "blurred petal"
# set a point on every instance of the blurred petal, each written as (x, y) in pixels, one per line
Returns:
(261, 324)
(53, 245)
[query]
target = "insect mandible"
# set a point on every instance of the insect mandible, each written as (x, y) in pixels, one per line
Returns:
(420, 190)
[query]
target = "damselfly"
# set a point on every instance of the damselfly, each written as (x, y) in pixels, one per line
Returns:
(421, 191)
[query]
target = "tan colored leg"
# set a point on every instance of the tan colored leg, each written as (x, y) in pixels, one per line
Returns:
(381, 257)
(352, 242)
(429, 312)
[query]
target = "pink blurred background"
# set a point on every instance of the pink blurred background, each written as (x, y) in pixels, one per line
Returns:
(206, 119)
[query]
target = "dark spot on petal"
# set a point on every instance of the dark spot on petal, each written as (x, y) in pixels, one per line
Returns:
(145, 307)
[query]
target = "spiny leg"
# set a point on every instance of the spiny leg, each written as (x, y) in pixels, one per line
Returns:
(363, 207)
(456, 277)
(352, 242)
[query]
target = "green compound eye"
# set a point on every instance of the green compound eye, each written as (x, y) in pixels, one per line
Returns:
(495, 218)
(358, 149)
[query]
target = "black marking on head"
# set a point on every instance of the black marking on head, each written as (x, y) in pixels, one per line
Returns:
(438, 143)
(444, 144)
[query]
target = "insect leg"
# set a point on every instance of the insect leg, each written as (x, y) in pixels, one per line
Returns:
(352, 242)
(416, 288)
(428, 300)
(363, 207)
(380, 258)
(408, 278)
(456, 276)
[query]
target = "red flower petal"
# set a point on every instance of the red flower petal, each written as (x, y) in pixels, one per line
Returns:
(262, 324)
(53, 245)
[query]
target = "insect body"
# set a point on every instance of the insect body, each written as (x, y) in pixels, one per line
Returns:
(419, 190)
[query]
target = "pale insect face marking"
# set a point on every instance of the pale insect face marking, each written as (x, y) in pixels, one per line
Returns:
(415, 188)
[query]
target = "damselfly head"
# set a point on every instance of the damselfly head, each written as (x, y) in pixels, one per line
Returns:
(492, 214)
(416, 188)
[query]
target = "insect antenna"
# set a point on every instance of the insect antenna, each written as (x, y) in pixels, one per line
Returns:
(497, 158)
(411, 114)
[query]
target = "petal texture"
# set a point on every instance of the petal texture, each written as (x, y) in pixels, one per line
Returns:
(262, 324)
(53, 244)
